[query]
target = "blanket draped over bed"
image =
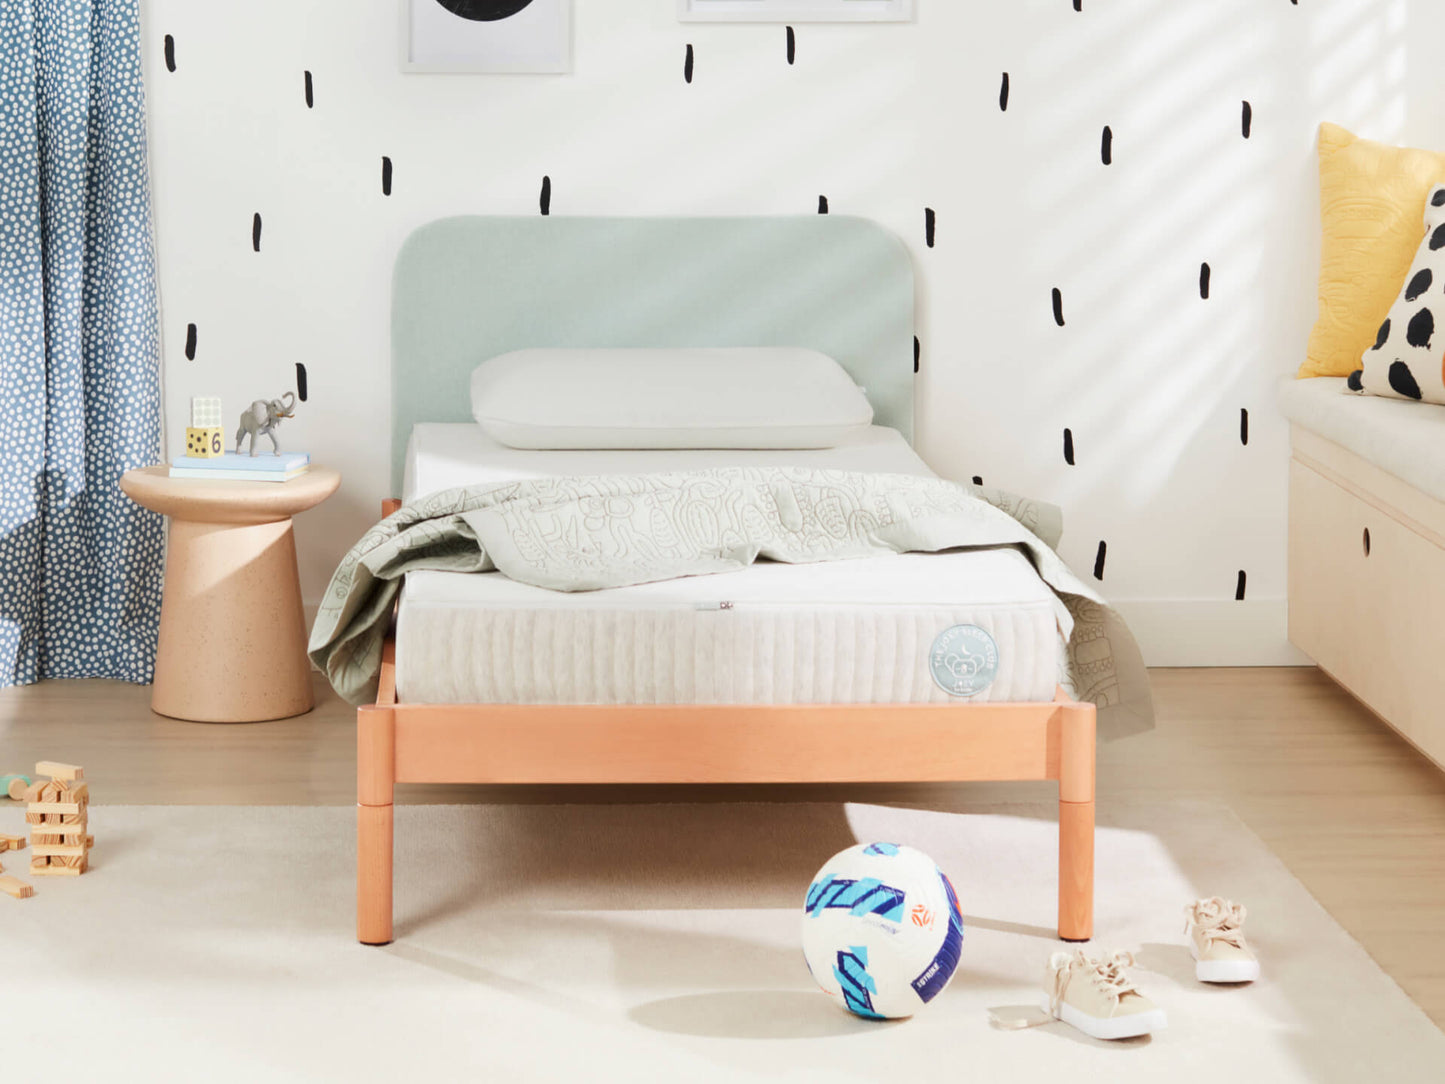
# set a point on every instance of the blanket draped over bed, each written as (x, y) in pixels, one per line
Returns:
(590, 533)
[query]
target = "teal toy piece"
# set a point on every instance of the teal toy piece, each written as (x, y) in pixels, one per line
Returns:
(14, 785)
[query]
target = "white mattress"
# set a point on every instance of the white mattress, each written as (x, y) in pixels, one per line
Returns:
(441, 455)
(831, 633)
(840, 632)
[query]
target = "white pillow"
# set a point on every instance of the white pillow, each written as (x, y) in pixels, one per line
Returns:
(755, 397)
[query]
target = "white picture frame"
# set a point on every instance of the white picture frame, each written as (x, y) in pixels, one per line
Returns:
(795, 11)
(537, 39)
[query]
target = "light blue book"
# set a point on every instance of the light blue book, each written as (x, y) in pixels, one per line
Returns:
(266, 463)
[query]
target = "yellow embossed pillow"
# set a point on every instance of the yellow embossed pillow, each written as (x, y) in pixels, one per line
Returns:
(1370, 200)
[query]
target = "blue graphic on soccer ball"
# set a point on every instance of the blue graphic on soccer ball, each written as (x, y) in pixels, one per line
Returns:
(882, 930)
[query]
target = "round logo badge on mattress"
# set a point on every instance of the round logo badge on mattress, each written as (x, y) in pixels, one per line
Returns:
(963, 660)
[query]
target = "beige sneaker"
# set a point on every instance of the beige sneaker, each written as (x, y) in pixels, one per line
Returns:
(1216, 941)
(1097, 997)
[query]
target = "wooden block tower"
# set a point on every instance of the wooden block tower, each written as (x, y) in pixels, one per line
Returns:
(204, 437)
(58, 820)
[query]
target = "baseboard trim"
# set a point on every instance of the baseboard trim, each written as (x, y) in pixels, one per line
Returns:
(1212, 632)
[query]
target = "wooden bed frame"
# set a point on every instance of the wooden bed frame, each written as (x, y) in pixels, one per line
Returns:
(717, 743)
(472, 287)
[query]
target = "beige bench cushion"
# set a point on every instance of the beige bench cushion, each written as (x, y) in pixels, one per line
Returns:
(1404, 438)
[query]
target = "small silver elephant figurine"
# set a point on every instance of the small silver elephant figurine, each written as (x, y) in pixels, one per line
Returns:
(261, 419)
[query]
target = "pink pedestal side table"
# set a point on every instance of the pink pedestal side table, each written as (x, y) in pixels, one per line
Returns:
(232, 645)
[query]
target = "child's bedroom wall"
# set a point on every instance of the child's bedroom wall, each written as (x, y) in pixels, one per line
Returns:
(1092, 169)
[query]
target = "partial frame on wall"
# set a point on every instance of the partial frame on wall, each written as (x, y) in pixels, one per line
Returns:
(795, 11)
(464, 37)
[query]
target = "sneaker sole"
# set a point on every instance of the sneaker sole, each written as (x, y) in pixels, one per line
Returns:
(1223, 970)
(1108, 1028)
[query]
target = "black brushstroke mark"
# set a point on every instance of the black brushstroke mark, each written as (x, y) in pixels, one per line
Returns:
(1246, 119)
(1058, 307)
(170, 53)
(1078, 5)
(1099, 560)
(917, 352)
(1204, 273)
(978, 479)
(1418, 285)
(190, 342)
(1069, 447)
(1356, 380)
(385, 175)
(256, 232)
(1365, 541)
(1003, 93)
(687, 64)
(545, 202)
(1243, 426)
(310, 103)
(1403, 381)
(301, 381)
(822, 205)
(1382, 335)
(1239, 587)
(1420, 329)
(1438, 199)
(1437, 239)
(1106, 146)
(792, 46)
(930, 225)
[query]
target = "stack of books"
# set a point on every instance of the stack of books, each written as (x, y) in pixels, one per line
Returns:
(242, 468)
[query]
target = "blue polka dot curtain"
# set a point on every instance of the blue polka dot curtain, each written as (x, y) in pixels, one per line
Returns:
(80, 566)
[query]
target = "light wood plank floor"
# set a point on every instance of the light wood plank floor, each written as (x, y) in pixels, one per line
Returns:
(1354, 812)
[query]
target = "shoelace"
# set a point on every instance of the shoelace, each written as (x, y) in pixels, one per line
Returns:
(1107, 973)
(1218, 919)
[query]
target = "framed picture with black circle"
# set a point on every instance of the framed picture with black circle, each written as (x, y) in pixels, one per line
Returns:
(466, 36)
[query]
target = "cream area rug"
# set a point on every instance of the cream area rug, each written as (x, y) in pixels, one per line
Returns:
(600, 943)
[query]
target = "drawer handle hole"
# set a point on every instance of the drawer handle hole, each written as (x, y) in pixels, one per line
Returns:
(1366, 540)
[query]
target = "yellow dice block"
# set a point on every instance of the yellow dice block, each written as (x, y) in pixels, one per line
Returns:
(205, 442)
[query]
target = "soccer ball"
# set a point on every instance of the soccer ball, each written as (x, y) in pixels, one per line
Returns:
(882, 930)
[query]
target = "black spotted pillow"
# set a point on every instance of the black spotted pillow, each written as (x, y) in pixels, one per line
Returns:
(1406, 360)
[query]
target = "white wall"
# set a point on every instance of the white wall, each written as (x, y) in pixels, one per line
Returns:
(885, 120)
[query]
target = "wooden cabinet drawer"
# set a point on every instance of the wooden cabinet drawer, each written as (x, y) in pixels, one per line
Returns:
(1367, 602)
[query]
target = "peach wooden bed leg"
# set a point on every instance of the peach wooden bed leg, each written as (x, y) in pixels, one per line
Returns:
(375, 785)
(1076, 822)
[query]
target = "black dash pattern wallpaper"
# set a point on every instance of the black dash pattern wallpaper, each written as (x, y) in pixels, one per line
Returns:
(1108, 203)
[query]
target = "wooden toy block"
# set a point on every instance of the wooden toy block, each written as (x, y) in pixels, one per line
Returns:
(42, 840)
(38, 870)
(58, 830)
(45, 850)
(78, 792)
(54, 867)
(12, 843)
(206, 411)
(32, 792)
(89, 842)
(205, 442)
(59, 771)
(37, 810)
(19, 889)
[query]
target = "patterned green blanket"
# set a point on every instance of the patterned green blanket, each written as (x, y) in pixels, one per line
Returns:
(593, 533)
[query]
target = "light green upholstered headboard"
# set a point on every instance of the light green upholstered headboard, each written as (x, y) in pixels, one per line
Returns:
(466, 289)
